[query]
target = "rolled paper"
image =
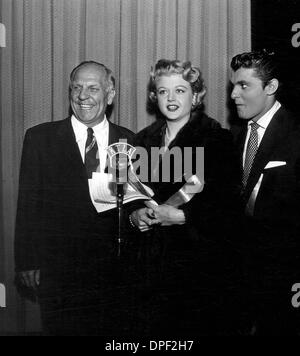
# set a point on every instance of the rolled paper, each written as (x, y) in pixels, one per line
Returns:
(192, 186)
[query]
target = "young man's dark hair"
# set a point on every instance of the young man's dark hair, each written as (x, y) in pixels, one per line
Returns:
(264, 62)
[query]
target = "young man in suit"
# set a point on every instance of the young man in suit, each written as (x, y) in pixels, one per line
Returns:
(64, 245)
(269, 149)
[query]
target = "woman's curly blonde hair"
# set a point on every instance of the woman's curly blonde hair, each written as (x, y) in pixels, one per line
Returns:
(189, 73)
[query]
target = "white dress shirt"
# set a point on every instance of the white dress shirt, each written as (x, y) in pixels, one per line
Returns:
(101, 132)
(263, 123)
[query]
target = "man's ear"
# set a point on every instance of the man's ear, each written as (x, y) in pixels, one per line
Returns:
(110, 96)
(272, 86)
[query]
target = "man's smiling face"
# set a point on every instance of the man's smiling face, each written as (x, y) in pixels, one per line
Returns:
(90, 94)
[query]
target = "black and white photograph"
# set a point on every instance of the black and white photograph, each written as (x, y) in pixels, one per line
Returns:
(150, 170)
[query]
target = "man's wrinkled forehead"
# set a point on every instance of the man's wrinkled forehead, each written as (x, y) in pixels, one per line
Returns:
(91, 70)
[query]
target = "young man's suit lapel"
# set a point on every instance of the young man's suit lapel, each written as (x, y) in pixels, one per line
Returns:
(272, 140)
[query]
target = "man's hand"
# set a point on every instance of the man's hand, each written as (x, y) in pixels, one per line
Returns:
(30, 279)
(143, 219)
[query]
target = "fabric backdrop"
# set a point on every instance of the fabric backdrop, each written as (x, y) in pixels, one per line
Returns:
(45, 39)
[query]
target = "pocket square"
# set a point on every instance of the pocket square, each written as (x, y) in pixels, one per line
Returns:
(273, 164)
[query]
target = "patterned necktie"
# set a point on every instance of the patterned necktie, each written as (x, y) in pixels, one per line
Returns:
(252, 147)
(91, 161)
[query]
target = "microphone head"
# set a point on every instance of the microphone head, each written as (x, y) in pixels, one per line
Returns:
(121, 164)
(120, 154)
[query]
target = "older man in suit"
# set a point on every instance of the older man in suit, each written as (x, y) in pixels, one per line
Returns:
(269, 147)
(64, 245)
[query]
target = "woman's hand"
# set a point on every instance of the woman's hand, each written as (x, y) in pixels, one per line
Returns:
(143, 219)
(167, 215)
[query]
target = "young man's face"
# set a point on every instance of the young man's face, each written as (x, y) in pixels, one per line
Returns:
(251, 99)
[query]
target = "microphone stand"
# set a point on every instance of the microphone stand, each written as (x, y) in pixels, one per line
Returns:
(120, 197)
(120, 181)
(119, 154)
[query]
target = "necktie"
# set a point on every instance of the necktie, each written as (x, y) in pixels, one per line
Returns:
(252, 147)
(91, 153)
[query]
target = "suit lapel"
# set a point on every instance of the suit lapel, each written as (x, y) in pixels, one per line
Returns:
(71, 150)
(240, 142)
(113, 135)
(274, 134)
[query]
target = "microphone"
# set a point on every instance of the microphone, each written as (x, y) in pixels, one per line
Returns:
(120, 158)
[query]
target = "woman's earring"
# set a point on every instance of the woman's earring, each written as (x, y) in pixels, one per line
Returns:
(194, 100)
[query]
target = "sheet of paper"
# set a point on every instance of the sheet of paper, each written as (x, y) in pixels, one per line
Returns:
(103, 192)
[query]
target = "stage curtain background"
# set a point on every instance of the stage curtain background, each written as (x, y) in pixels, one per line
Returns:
(47, 38)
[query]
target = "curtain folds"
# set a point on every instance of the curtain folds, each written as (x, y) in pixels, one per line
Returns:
(45, 39)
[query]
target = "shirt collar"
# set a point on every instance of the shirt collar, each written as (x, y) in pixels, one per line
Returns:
(80, 129)
(265, 120)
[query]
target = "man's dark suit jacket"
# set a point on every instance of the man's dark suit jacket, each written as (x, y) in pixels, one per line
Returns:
(271, 236)
(278, 195)
(58, 230)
